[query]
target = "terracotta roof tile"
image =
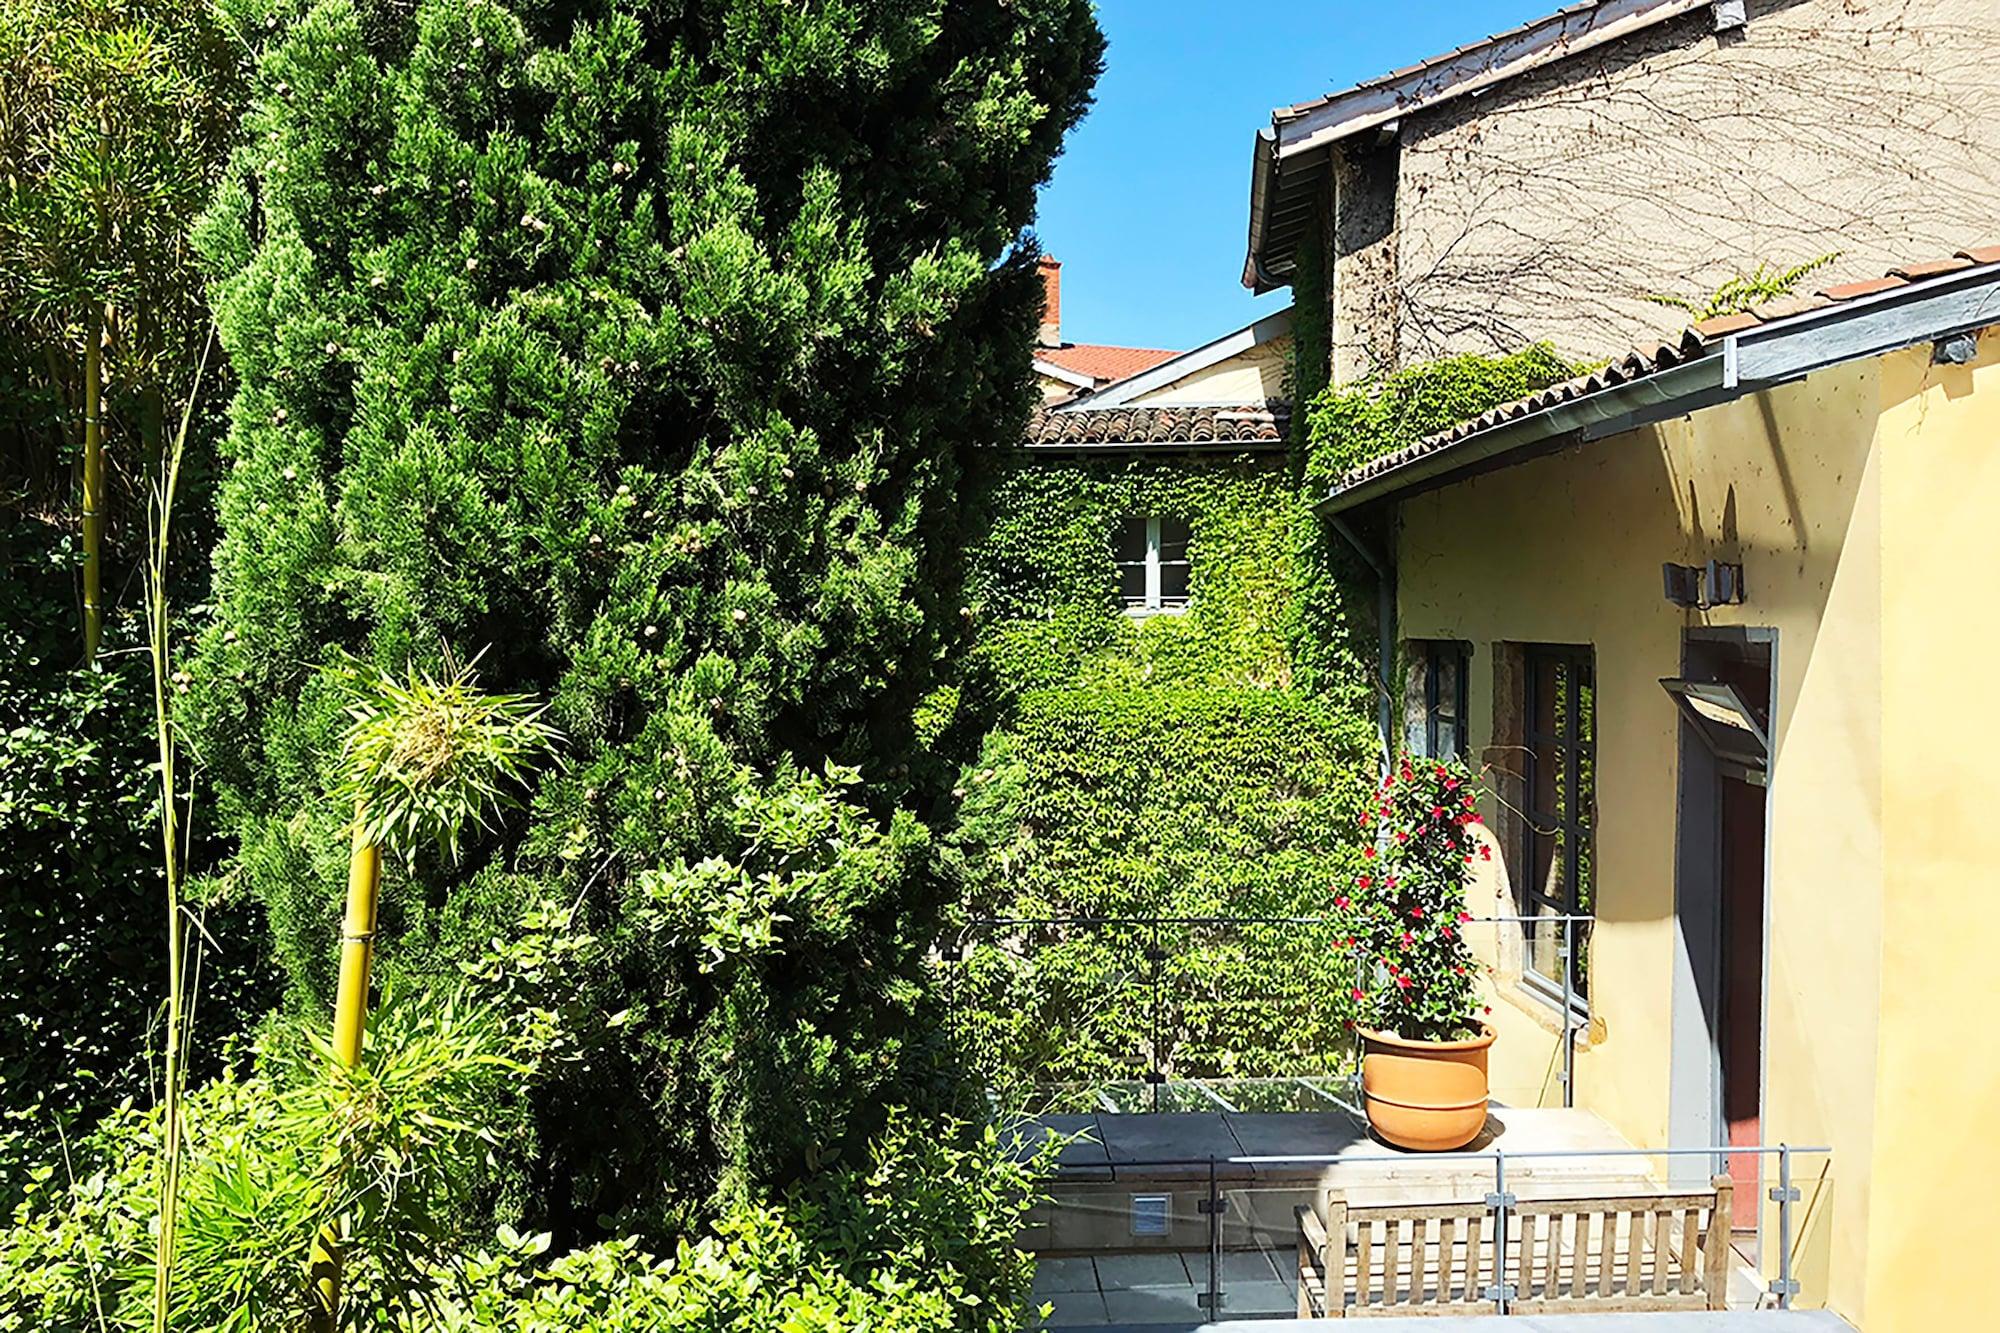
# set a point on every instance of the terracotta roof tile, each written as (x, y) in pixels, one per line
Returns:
(1102, 362)
(1787, 306)
(1253, 424)
(1847, 291)
(1696, 342)
(1721, 324)
(1930, 268)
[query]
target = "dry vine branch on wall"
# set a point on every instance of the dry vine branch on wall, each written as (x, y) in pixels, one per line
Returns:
(1675, 163)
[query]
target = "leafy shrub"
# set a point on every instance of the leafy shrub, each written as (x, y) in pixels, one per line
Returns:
(921, 1237)
(80, 890)
(397, 1148)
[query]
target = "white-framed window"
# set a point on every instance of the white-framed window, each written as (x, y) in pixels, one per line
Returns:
(1154, 575)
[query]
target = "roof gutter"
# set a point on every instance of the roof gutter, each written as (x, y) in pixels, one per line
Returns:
(1759, 357)
(1154, 447)
(1670, 393)
(1263, 183)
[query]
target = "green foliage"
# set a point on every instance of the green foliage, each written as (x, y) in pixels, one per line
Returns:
(647, 343)
(1330, 618)
(115, 117)
(1746, 290)
(1349, 425)
(81, 906)
(919, 1236)
(1312, 315)
(1169, 802)
(1045, 591)
(1140, 769)
(398, 1148)
(1405, 912)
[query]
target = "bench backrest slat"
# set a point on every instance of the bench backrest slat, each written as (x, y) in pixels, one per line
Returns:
(1651, 1251)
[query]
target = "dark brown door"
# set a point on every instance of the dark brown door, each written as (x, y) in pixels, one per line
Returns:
(1742, 1027)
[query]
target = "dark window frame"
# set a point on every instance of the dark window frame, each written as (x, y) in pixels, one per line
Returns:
(1574, 825)
(1437, 655)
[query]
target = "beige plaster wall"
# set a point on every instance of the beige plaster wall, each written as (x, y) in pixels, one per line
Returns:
(1567, 549)
(1668, 162)
(1250, 377)
(1936, 1209)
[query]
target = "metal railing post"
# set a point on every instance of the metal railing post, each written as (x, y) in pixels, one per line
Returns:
(1213, 1207)
(1568, 1020)
(1499, 1201)
(1784, 1196)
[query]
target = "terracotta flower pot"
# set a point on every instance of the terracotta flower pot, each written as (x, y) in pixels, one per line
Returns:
(1427, 1095)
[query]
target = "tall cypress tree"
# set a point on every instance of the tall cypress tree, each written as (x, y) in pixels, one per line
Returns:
(642, 348)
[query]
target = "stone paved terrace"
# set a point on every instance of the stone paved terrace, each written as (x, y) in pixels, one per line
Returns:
(1104, 1265)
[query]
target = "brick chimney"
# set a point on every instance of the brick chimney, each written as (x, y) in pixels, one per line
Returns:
(1050, 334)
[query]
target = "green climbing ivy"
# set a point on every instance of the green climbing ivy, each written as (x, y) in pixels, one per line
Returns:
(1163, 767)
(1202, 765)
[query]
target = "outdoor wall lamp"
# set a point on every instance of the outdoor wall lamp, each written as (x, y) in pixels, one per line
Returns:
(1716, 584)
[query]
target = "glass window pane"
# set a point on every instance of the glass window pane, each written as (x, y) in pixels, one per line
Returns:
(1173, 539)
(1545, 682)
(1445, 666)
(1129, 543)
(1132, 584)
(1545, 798)
(1173, 582)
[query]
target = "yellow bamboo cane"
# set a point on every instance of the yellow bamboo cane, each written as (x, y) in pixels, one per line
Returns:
(93, 483)
(350, 1025)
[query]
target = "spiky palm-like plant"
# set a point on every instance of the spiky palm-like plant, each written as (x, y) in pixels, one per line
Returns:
(424, 758)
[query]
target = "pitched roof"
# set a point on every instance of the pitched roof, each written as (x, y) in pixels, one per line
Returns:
(1708, 340)
(1180, 365)
(1101, 362)
(1573, 28)
(1261, 425)
(1291, 157)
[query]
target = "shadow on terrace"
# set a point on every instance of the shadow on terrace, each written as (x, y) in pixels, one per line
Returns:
(1215, 1161)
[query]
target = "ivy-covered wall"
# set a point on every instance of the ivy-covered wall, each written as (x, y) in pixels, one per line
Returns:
(1164, 767)
(1202, 765)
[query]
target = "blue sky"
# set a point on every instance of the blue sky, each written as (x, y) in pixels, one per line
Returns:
(1148, 209)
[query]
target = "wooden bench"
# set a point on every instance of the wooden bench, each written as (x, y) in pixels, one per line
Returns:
(1628, 1252)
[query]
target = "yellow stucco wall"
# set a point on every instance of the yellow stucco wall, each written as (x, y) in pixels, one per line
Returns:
(1936, 1168)
(1567, 549)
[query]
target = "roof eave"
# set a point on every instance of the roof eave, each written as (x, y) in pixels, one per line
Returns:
(1477, 65)
(1152, 447)
(1757, 358)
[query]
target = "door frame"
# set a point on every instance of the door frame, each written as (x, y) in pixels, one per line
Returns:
(1694, 1110)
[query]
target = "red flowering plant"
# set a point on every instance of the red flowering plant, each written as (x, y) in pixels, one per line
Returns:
(1404, 914)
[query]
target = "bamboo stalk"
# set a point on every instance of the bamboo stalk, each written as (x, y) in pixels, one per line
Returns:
(93, 483)
(161, 652)
(350, 1026)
